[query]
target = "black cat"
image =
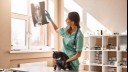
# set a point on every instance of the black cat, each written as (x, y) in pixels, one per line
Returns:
(60, 59)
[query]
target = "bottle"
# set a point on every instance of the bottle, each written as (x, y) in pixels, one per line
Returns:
(97, 32)
(101, 32)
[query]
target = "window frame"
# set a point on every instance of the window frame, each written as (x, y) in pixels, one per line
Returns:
(21, 17)
(28, 32)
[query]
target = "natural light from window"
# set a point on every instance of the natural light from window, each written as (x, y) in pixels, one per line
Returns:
(94, 25)
(18, 32)
(51, 11)
(35, 1)
(25, 36)
(19, 6)
(68, 8)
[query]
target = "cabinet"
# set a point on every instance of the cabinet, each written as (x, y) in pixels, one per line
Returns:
(104, 53)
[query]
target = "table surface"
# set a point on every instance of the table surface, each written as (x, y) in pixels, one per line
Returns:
(37, 69)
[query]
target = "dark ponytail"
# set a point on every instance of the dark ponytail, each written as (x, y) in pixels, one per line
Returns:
(74, 16)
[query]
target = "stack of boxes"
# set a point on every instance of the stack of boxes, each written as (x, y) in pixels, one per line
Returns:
(97, 48)
(123, 62)
(112, 69)
(112, 60)
(98, 57)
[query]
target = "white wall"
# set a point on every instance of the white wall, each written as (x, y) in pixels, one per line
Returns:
(100, 14)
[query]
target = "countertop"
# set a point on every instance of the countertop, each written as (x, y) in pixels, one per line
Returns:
(37, 69)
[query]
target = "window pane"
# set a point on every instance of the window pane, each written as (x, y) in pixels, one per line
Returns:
(51, 8)
(19, 6)
(17, 32)
(37, 36)
(52, 40)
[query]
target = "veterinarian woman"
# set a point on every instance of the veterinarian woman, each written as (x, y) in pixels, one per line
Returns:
(72, 38)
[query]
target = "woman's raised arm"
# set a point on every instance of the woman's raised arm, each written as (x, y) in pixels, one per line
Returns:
(53, 24)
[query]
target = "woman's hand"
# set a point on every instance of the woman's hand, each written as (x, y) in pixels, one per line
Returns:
(76, 56)
(48, 15)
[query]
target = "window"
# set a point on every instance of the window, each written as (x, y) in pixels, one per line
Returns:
(51, 11)
(23, 33)
(18, 32)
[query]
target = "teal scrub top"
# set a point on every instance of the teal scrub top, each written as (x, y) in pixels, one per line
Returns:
(68, 46)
